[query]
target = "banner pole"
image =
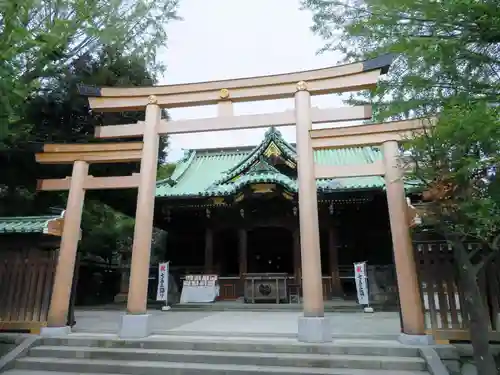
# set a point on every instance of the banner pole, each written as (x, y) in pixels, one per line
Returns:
(167, 272)
(368, 308)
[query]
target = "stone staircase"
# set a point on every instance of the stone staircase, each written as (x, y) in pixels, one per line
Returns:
(178, 355)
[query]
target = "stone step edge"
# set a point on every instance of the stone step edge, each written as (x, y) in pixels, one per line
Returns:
(219, 339)
(231, 345)
(215, 353)
(215, 367)
(263, 335)
(252, 347)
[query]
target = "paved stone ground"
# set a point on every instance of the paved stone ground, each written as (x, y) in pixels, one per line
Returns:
(109, 321)
(382, 325)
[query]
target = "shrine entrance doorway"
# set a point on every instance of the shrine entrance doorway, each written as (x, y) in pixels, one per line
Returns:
(270, 250)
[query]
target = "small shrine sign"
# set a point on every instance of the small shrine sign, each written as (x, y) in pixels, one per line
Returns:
(200, 280)
(199, 289)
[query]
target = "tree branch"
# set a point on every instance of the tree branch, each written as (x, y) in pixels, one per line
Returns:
(488, 258)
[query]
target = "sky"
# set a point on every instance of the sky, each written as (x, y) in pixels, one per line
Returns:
(221, 39)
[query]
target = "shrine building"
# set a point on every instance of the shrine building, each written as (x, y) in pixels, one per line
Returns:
(233, 212)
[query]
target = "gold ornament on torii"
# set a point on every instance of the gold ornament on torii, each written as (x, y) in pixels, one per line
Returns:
(224, 93)
(301, 86)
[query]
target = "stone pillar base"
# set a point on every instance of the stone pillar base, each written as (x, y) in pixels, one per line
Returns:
(418, 340)
(134, 326)
(55, 331)
(314, 329)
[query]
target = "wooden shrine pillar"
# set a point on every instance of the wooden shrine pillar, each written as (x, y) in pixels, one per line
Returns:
(242, 251)
(296, 256)
(209, 250)
(409, 290)
(313, 326)
(63, 280)
(333, 258)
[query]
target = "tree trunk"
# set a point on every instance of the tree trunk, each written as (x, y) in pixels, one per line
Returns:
(478, 316)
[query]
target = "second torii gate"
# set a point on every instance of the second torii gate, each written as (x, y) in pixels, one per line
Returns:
(80, 156)
(387, 135)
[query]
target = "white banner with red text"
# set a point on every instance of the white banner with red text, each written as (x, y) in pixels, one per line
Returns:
(361, 280)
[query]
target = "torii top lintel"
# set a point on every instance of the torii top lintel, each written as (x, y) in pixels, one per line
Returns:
(336, 79)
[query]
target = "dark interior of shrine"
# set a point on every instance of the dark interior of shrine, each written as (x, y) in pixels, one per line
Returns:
(362, 227)
(270, 250)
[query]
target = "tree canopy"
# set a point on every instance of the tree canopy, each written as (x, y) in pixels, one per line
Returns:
(59, 114)
(40, 40)
(47, 49)
(444, 49)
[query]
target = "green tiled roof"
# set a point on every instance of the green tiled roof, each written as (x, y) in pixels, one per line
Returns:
(212, 173)
(25, 224)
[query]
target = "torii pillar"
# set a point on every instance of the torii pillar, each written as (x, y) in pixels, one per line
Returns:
(135, 323)
(313, 326)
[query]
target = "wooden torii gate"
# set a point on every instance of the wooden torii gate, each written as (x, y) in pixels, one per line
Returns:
(313, 326)
(80, 155)
(387, 135)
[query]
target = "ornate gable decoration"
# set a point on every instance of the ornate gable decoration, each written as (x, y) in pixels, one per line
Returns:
(273, 150)
(262, 166)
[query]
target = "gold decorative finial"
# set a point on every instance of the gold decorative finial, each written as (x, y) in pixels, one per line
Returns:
(152, 99)
(224, 94)
(301, 86)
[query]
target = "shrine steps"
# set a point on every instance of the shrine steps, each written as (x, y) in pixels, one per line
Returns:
(215, 356)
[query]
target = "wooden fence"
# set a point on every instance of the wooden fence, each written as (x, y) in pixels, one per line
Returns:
(445, 312)
(26, 279)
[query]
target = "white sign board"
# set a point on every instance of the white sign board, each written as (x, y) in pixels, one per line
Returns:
(200, 280)
(361, 283)
(162, 291)
(199, 289)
